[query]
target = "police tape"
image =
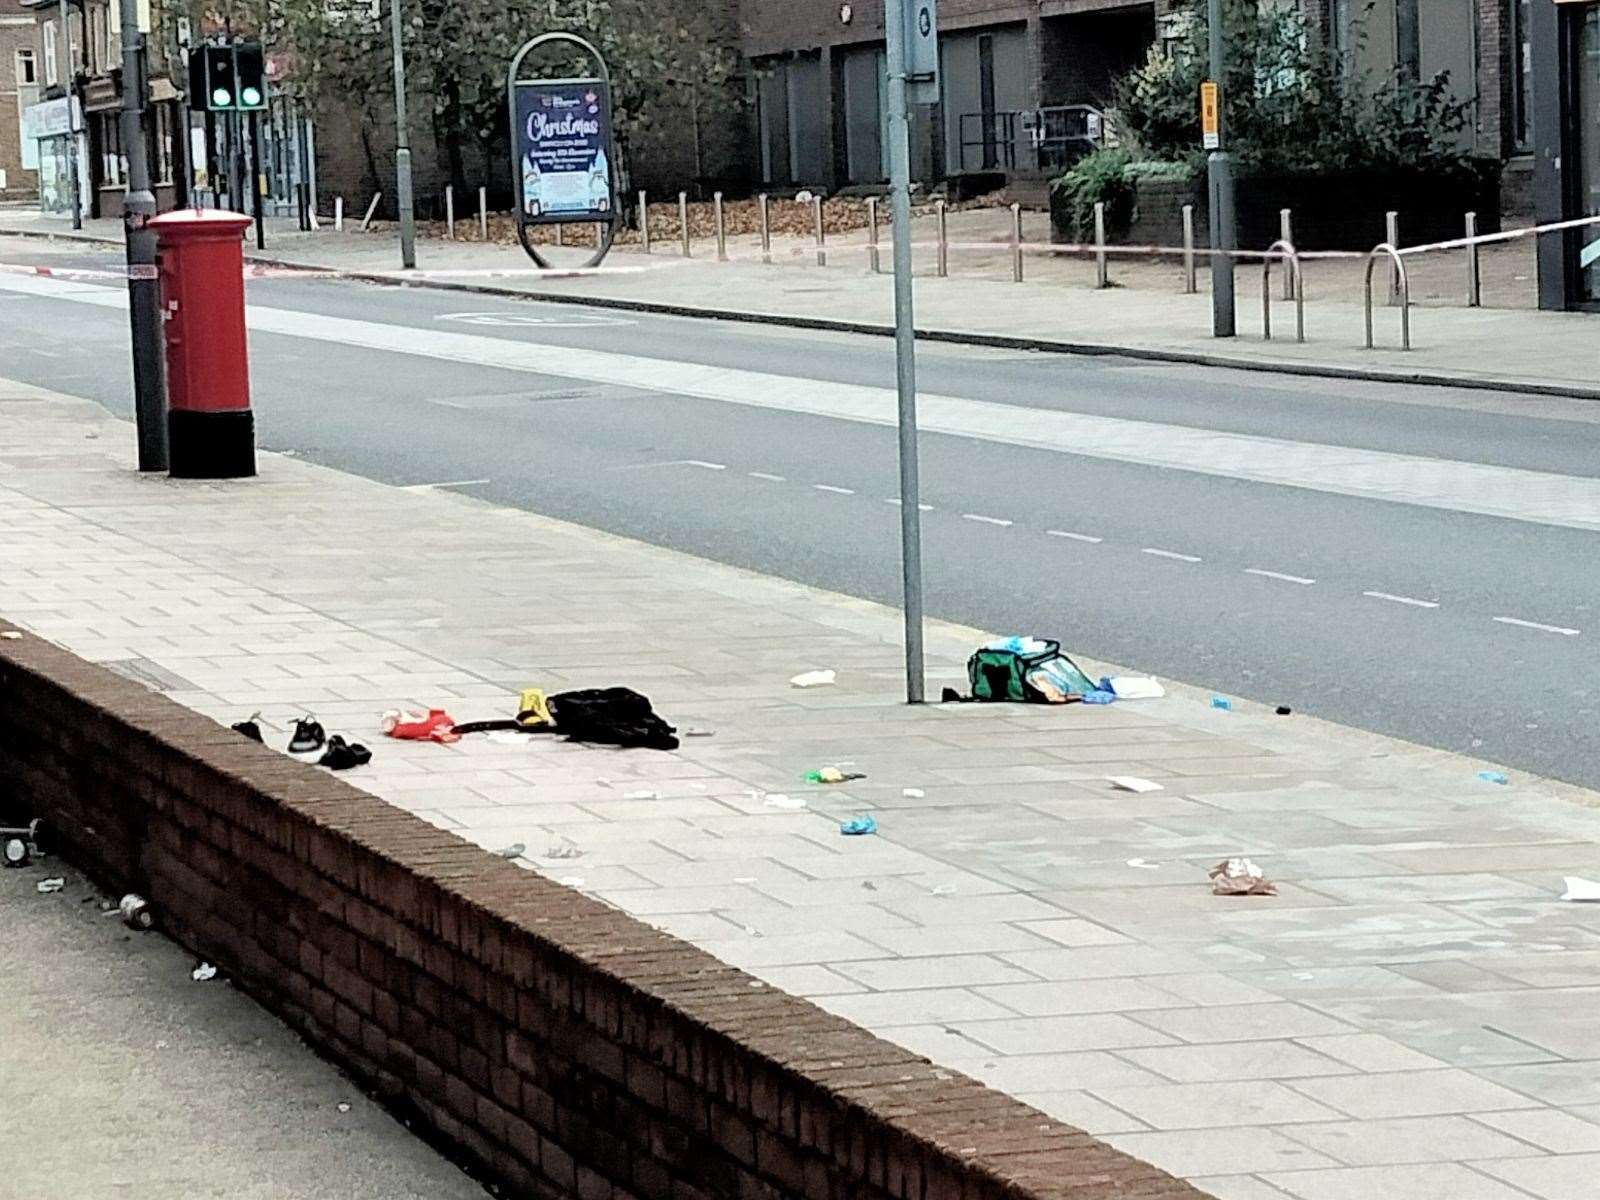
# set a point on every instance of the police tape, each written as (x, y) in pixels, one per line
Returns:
(117, 273)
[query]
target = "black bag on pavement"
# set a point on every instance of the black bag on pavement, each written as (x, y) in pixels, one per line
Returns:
(611, 717)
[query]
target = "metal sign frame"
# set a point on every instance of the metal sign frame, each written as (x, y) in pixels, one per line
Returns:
(611, 220)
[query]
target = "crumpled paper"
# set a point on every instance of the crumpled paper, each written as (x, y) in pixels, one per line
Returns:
(1240, 877)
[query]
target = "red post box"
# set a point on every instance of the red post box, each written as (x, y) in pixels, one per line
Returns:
(210, 428)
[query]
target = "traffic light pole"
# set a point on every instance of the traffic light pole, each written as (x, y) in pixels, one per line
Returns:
(1220, 188)
(144, 289)
(402, 144)
(255, 180)
(74, 190)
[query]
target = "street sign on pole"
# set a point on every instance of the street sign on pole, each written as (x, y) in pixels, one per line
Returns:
(1220, 187)
(901, 19)
(144, 291)
(1210, 117)
(921, 20)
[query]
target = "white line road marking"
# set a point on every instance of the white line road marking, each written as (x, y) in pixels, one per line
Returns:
(1414, 603)
(1172, 554)
(1536, 625)
(707, 466)
(897, 502)
(434, 487)
(837, 491)
(768, 478)
(1076, 537)
(1508, 492)
(1300, 579)
(983, 520)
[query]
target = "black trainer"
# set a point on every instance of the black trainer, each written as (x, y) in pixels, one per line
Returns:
(308, 736)
(250, 729)
(341, 755)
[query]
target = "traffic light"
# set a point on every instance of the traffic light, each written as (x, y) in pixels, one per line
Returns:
(230, 78)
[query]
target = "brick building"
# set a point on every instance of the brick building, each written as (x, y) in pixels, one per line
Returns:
(817, 67)
(19, 66)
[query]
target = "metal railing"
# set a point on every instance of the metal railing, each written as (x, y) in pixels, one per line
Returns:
(1283, 249)
(1039, 139)
(1402, 287)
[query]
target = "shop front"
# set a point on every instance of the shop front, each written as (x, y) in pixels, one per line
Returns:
(48, 128)
(1566, 53)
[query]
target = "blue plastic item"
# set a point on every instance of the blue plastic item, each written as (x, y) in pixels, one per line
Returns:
(1222, 702)
(1107, 696)
(859, 827)
(1493, 777)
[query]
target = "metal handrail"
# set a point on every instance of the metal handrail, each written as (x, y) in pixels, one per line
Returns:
(1386, 250)
(1283, 248)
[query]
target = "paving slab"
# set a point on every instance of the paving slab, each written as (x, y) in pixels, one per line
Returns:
(1006, 923)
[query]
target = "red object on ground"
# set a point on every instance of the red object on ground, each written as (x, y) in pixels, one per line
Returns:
(437, 726)
(211, 430)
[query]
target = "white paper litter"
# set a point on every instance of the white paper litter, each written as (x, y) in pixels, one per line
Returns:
(515, 850)
(1143, 864)
(1136, 687)
(344, 1108)
(813, 679)
(572, 881)
(46, 886)
(10, 635)
(913, 793)
(1132, 783)
(204, 973)
(646, 795)
(779, 800)
(563, 850)
(504, 737)
(1582, 891)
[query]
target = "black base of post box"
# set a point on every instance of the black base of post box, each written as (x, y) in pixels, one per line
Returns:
(211, 445)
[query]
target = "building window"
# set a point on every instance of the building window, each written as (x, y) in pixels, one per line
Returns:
(1521, 75)
(113, 40)
(52, 72)
(93, 37)
(161, 135)
(27, 69)
(113, 166)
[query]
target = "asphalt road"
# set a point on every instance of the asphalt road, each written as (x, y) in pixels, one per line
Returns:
(1421, 619)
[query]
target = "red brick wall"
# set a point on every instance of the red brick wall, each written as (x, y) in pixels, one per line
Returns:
(559, 1045)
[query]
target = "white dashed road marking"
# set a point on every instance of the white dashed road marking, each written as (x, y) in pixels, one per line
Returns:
(897, 502)
(707, 466)
(837, 491)
(1300, 579)
(1536, 625)
(435, 487)
(1414, 603)
(1075, 537)
(1172, 554)
(768, 478)
(983, 520)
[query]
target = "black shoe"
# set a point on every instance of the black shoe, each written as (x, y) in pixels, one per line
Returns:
(308, 736)
(250, 729)
(341, 756)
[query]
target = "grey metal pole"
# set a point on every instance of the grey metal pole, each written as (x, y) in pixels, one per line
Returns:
(872, 235)
(765, 205)
(1102, 273)
(483, 214)
(1189, 284)
(816, 221)
(644, 222)
(1391, 234)
(1286, 233)
(1219, 178)
(1474, 277)
(402, 143)
(450, 211)
(255, 181)
(944, 238)
(1016, 243)
(683, 222)
(905, 349)
(722, 227)
(144, 289)
(70, 76)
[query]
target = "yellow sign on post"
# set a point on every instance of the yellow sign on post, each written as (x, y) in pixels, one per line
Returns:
(1210, 116)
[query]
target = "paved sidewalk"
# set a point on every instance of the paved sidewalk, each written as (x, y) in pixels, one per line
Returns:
(1414, 1015)
(1057, 308)
(122, 1077)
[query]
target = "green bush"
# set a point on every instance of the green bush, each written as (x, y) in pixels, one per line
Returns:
(1110, 177)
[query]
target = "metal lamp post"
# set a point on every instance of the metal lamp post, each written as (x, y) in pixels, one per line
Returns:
(144, 289)
(1220, 184)
(402, 143)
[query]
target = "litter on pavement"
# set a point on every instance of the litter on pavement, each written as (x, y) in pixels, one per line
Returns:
(913, 793)
(1222, 704)
(1144, 865)
(250, 729)
(1099, 696)
(1026, 670)
(642, 796)
(1132, 783)
(564, 850)
(204, 973)
(779, 800)
(1133, 687)
(135, 912)
(813, 679)
(1285, 711)
(46, 886)
(507, 737)
(1493, 777)
(515, 850)
(1240, 877)
(343, 755)
(308, 736)
(832, 775)
(1582, 891)
(11, 635)
(435, 725)
(611, 717)
(859, 826)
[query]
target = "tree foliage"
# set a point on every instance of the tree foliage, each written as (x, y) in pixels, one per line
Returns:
(457, 52)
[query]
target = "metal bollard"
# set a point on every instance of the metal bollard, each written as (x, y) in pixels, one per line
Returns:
(944, 239)
(816, 220)
(561, 235)
(1101, 274)
(764, 204)
(483, 214)
(450, 212)
(1474, 277)
(1286, 234)
(683, 222)
(644, 221)
(1391, 228)
(872, 235)
(1189, 284)
(1016, 243)
(722, 228)
(599, 235)
(338, 214)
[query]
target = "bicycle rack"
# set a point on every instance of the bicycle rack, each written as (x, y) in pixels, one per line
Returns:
(1285, 250)
(1386, 250)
